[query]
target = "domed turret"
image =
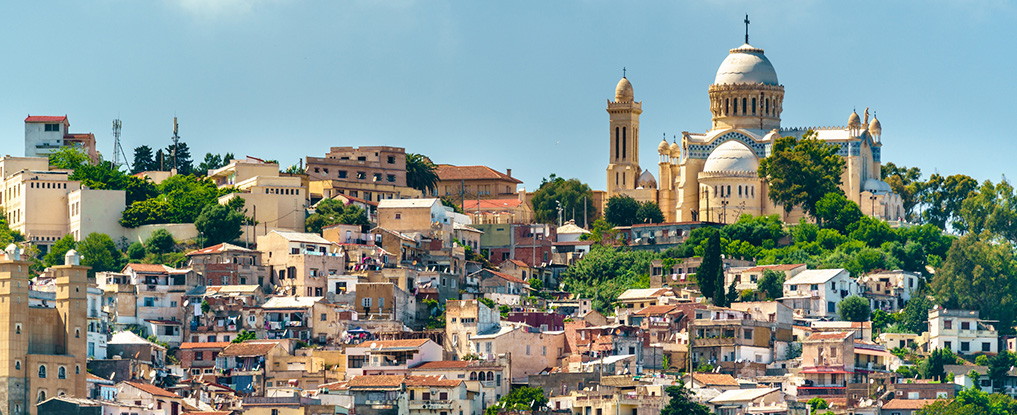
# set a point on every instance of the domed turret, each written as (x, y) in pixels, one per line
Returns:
(676, 150)
(13, 252)
(874, 128)
(746, 65)
(623, 92)
(854, 121)
(663, 148)
(72, 258)
(647, 181)
(732, 157)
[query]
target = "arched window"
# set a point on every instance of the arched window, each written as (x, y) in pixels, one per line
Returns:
(735, 109)
(42, 371)
(617, 141)
(745, 104)
(625, 143)
(42, 395)
(727, 106)
(490, 376)
(61, 372)
(17, 365)
(767, 106)
(753, 106)
(473, 375)
(728, 190)
(481, 377)
(739, 190)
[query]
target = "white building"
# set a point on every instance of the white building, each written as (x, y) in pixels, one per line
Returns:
(815, 293)
(888, 290)
(47, 134)
(98, 325)
(961, 331)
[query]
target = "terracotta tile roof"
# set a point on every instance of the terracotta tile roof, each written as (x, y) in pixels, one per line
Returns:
(715, 379)
(491, 204)
(445, 364)
(781, 267)
(435, 381)
(94, 377)
(507, 277)
(655, 310)
(209, 413)
(152, 389)
(837, 335)
(44, 118)
(214, 249)
(912, 404)
(517, 263)
(335, 386)
(207, 345)
(249, 348)
(448, 172)
(158, 268)
(385, 344)
(376, 381)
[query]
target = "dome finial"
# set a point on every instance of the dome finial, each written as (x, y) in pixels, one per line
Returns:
(746, 28)
(623, 72)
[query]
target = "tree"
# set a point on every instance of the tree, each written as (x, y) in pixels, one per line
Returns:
(294, 169)
(972, 401)
(606, 272)
(56, 253)
(136, 251)
(183, 161)
(574, 196)
(244, 335)
(710, 274)
(211, 162)
(772, 284)
(732, 294)
(991, 208)
(106, 177)
(621, 210)
(834, 211)
(915, 316)
(331, 212)
(979, 274)
(905, 182)
(853, 308)
(449, 201)
(523, 398)
(999, 365)
(218, 223)
(649, 212)
(943, 196)
(816, 404)
(144, 160)
(800, 171)
(681, 402)
(68, 157)
(159, 242)
(421, 174)
(145, 212)
(187, 195)
(99, 252)
(932, 366)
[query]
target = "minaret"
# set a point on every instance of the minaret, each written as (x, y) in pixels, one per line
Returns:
(623, 168)
(72, 305)
(14, 285)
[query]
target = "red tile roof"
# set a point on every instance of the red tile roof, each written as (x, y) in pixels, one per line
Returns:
(715, 379)
(152, 389)
(445, 364)
(781, 267)
(837, 335)
(169, 322)
(517, 263)
(45, 118)
(435, 381)
(249, 348)
(154, 268)
(655, 310)
(218, 248)
(384, 344)
(376, 381)
(207, 345)
(507, 277)
(911, 404)
(490, 204)
(448, 172)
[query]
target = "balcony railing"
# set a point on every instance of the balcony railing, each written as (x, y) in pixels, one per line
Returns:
(430, 404)
(822, 390)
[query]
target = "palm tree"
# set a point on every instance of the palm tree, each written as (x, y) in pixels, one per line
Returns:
(421, 174)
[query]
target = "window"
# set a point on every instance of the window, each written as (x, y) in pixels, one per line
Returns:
(748, 334)
(390, 178)
(361, 175)
(831, 307)
(199, 355)
(965, 325)
(52, 127)
(42, 395)
(948, 324)
(377, 177)
(61, 372)
(391, 159)
(17, 365)
(366, 302)
(42, 371)
(543, 350)
(323, 317)
(527, 350)
(211, 339)
(792, 288)
(948, 345)
(985, 346)
(398, 215)
(814, 287)
(965, 346)
(149, 301)
(381, 302)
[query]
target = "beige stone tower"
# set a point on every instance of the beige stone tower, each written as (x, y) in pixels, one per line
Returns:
(72, 305)
(668, 170)
(623, 168)
(14, 283)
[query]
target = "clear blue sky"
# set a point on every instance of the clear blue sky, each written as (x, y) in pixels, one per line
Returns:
(519, 84)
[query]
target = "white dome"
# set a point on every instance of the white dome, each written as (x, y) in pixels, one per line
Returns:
(623, 91)
(746, 65)
(854, 121)
(663, 148)
(646, 180)
(876, 186)
(732, 156)
(875, 128)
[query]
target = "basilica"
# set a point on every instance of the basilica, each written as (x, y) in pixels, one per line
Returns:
(712, 176)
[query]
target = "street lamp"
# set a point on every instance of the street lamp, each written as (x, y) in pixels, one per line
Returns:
(872, 205)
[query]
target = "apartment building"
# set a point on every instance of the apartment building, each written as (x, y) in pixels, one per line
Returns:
(815, 293)
(888, 290)
(247, 367)
(390, 357)
(483, 377)
(370, 173)
(274, 201)
(46, 134)
(465, 319)
(962, 332)
(228, 264)
(217, 312)
(301, 262)
(475, 182)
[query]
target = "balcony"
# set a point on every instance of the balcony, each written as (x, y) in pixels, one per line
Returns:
(822, 390)
(430, 404)
(714, 342)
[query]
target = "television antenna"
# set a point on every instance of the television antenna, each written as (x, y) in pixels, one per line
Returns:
(176, 139)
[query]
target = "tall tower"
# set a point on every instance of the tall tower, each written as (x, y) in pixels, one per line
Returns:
(72, 305)
(14, 335)
(623, 162)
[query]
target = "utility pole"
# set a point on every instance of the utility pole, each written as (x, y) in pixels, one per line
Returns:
(176, 140)
(585, 214)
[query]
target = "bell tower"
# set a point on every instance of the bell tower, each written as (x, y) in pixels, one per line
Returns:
(623, 145)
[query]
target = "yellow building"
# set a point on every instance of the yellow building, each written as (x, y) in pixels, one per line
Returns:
(369, 173)
(712, 176)
(475, 182)
(42, 349)
(275, 202)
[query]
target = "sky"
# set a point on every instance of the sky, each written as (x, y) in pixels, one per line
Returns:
(518, 85)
